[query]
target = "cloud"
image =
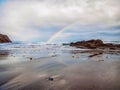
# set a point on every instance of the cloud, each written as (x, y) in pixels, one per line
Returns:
(18, 16)
(86, 32)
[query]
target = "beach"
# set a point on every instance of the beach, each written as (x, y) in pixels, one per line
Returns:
(59, 44)
(58, 67)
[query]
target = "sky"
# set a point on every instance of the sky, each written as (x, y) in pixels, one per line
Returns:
(60, 20)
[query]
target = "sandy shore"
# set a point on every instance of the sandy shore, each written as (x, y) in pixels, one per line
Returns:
(67, 69)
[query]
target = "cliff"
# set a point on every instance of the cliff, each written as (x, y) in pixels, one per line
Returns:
(4, 39)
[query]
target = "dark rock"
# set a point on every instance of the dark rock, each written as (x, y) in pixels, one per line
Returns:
(94, 44)
(95, 54)
(4, 39)
(30, 58)
(100, 60)
(54, 55)
(73, 56)
(50, 78)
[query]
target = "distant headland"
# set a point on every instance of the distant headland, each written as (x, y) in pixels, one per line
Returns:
(95, 44)
(4, 39)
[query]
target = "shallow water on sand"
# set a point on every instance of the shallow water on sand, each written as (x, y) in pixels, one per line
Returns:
(30, 67)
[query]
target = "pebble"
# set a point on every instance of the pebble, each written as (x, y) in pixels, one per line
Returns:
(50, 78)
(30, 58)
(100, 60)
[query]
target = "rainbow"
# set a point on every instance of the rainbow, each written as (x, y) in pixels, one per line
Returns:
(60, 31)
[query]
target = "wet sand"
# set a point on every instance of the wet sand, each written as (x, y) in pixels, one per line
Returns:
(66, 69)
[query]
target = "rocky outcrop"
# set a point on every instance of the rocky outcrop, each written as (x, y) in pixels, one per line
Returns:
(4, 39)
(95, 44)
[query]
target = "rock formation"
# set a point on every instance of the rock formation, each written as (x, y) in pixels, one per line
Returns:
(95, 44)
(4, 39)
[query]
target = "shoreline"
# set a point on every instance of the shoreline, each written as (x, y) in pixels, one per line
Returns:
(90, 69)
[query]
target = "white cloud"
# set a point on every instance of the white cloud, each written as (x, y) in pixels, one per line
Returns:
(19, 15)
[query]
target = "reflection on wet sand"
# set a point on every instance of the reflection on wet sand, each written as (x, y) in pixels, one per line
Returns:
(93, 76)
(4, 53)
(65, 71)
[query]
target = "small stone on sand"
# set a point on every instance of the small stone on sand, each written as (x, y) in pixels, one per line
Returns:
(30, 58)
(50, 78)
(100, 60)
